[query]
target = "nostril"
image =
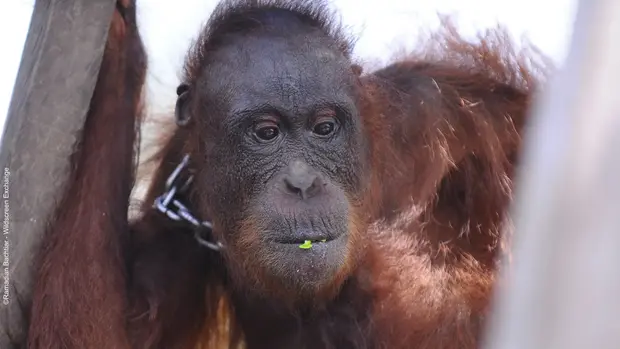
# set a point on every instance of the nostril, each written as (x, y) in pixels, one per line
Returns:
(315, 187)
(304, 186)
(291, 187)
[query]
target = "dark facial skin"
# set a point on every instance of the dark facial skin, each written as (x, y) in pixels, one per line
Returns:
(278, 121)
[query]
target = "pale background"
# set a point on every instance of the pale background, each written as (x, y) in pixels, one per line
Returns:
(384, 26)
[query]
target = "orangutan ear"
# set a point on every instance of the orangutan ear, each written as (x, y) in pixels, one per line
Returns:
(181, 110)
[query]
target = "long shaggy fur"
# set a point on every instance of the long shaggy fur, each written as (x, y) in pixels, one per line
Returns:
(80, 298)
(444, 125)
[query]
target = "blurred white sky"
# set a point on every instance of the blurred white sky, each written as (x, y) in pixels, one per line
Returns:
(383, 27)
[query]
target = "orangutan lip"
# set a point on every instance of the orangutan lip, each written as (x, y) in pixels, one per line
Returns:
(301, 240)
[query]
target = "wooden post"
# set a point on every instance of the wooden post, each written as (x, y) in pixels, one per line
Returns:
(563, 289)
(54, 86)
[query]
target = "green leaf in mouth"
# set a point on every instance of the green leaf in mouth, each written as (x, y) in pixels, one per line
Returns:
(306, 245)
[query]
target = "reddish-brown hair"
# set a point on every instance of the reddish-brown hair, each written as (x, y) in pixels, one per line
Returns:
(444, 126)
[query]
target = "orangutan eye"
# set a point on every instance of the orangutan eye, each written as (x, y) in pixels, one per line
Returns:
(266, 131)
(324, 128)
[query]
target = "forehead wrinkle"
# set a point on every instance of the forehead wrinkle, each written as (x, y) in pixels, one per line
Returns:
(276, 71)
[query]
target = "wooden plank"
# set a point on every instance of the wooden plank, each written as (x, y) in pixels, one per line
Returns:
(54, 85)
(563, 288)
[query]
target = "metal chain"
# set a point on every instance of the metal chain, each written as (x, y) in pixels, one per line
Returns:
(168, 204)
